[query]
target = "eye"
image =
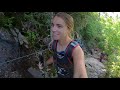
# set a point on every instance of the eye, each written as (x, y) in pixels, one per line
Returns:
(52, 25)
(59, 26)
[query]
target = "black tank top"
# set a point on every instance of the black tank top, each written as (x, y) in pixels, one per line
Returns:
(63, 60)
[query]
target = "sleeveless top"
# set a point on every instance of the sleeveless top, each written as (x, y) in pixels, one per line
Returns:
(63, 60)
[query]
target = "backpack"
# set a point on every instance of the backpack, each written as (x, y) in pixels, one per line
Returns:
(80, 42)
(70, 47)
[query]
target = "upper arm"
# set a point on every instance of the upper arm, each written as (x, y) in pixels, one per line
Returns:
(79, 63)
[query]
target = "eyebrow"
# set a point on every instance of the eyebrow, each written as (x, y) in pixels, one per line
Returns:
(52, 24)
(57, 24)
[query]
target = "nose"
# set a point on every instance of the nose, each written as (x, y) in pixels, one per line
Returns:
(53, 28)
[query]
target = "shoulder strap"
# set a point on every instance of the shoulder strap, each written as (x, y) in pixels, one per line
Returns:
(54, 45)
(70, 49)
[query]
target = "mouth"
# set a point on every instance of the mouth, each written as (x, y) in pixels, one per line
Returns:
(54, 34)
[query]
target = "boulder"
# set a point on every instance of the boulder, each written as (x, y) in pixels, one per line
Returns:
(95, 69)
(9, 49)
(37, 73)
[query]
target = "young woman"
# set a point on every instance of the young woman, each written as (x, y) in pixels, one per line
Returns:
(68, 56)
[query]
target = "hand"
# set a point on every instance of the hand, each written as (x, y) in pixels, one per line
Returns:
(40, 66)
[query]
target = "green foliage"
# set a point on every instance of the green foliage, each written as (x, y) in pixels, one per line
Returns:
(52, 71)
(37, 26)
(113, 67)
(88, 26)
(33, 25)
(31, 37)
(103, 32)
(111, 36)
(80, 21)
(6, 21)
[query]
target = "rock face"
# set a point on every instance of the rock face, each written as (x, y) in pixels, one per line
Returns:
(9, 49)
(36, 73)
(95, 69)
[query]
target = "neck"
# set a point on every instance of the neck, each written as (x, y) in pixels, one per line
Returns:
(65, 41)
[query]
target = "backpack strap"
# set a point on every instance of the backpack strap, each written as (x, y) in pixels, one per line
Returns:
(70, 49)
(73, 44)
(54, 45)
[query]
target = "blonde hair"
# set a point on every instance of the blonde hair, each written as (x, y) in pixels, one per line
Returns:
(68, 19)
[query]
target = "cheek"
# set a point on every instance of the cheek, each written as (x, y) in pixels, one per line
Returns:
(61, 33)
(56, 35)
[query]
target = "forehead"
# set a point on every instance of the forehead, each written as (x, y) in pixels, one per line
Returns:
(58, 20)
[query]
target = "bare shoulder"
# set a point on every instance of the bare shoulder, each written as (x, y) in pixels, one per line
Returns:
(77, 50)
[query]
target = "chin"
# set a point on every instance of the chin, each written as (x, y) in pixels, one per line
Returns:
(55, 38)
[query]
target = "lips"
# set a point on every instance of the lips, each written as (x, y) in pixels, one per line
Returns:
(55, 34)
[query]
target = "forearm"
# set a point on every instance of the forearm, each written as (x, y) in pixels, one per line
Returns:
(49, 61)
(84, 76)
(77, 75)
(80, 73)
